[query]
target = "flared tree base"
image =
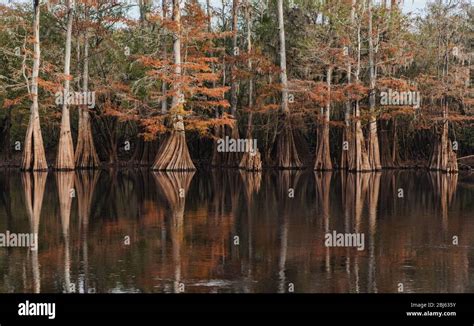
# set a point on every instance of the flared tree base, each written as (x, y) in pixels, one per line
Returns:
(173, 154)
(443, 157)
(34, 158)
(286, 153)
(226, 159)
(251, 162)
(323, 150)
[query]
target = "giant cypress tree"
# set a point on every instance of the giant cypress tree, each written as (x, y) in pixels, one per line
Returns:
(33, 155)
(173, 154)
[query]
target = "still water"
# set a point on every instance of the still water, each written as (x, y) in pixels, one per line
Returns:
(232, 231)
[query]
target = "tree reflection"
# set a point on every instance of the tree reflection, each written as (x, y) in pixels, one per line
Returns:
(173, 186)
(33, 185)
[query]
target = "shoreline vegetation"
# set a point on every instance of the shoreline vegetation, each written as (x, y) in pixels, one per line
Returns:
(306, 80)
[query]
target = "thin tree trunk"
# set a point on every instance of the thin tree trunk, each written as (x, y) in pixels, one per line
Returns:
(235, 52)
(373, 142)
(347, 135)
(5, 137)
(65, 156)
(164, 87)
(34, 156)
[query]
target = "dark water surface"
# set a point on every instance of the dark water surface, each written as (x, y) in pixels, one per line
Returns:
(232, 231)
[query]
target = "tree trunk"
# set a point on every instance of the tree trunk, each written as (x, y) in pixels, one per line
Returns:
(250, 162)
(86, 154)
(173, 154)
(443, 158)
(323, 150)
(229, 159)
(235, 53)
(286, 153)
(65, 156)
(346, 132)
(386, 158)
(164, 87)
(358, 157)
(144, 7)
(5, 137)
(33, 155)
(373, 141)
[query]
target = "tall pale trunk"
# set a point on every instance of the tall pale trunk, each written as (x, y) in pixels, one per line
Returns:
(33, 155)
(283, 75)
(65, 156)
(164, 87)
(86, 155)
(177, 54)
(286, 152)
(373, 143)
(235, 52)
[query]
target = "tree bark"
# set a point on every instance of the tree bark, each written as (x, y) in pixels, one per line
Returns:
(346, 132)
(164, 86)
(323, 150)
(250, 162)
(235, 52)
(33, 155)
(65, 156)
(443, 158)
(5, 137)
(86, 154)
(373, 141)
(286, 153)
(358, 157)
